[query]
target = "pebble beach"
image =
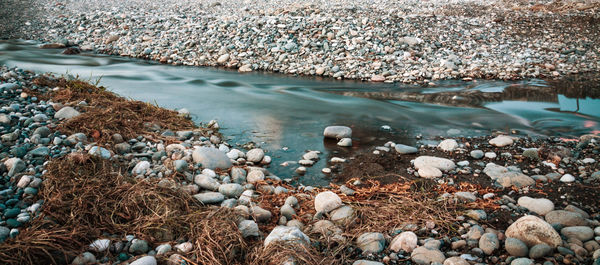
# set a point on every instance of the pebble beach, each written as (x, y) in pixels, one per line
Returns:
(90, 177)
(380, 41)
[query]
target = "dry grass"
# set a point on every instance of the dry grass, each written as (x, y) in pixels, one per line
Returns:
(107, 113)
(87, 198)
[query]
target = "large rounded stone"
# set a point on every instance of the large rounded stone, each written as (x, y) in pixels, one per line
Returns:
(540, 206)
(206, 182)
(516, 247)
(342, 215)
(442, 164)
(540, 251)
(255, 155)
(488, 243)
(231, 190)
(455, 261)
(565, 218)
(66, 113)
(582, 233)
(337, 132)
(211, 158)
(429, 172)
(425, 256)
(209, 197)
(327, 201)
(448, 145)
(289, 234)
(371, 242)
(406, 241)
(248, 228)
(532, 231)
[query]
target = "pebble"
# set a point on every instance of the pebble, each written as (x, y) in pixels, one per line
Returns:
(567, 178)
(405, 149)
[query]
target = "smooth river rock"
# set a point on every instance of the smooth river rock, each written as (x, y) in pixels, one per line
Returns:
(289, 234)
(565, 218)
(532, 231)
(501, 141)
(211, 158)
(442, 164)
(540, 206)
(337, 132)
(406, 241)
(327, 201)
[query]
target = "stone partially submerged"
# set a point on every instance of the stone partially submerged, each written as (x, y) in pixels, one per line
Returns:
(337, 132)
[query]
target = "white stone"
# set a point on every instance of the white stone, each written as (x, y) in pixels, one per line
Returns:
(255, 176)
(501, 141)
(290, 234)
(100, 245)
(448, 145)
(211, 158)
(406, 241)
(337, 132)
(429, 172)
(327, 201)
(255, 155)
(540, 206)
(345, 142)
(567, 178)
(184, 247)
(141, 168)
(442, 164)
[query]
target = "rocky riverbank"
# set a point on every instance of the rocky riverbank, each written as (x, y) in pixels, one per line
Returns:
(391, 41)
(89, 177)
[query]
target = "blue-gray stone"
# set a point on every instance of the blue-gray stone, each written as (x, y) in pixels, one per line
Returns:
(210, 197)
(8, 86)
(40, 151)
(30, 190)
(100, 151)
(4, 233)
(42, 131)
(138, 247)
(12, 223)
(180, 165)
(405, 149)
(12, 212)
(232, 190)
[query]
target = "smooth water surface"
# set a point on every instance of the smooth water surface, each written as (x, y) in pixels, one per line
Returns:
(278, 111)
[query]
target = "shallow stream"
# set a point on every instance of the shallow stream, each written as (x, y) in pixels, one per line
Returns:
(287, 115)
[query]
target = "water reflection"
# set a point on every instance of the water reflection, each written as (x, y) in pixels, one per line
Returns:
(279, 111)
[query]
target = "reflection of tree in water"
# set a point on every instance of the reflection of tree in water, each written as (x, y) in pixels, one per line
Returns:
(571, 87)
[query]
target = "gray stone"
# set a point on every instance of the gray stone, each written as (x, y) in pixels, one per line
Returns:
(565, 218)
(345, 142)
(138, 246)
(522, 261)
(582, 233)
(448, 145)
(507, 178)
(429, 172)
(100, 152)
(66, 113)
(248, 228)
(261, 215)
(371, 242)
(465, 196)
(231, 190)
(238, 175)
(516, 247)
(206, 182)
(366, 262)
(405, 149)
(209, 197)
(342, 215)
(540, 251)
(180, 165)
(489, 243)
(477, 154)
(211, 158)
(287, 211)
(425, 256)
